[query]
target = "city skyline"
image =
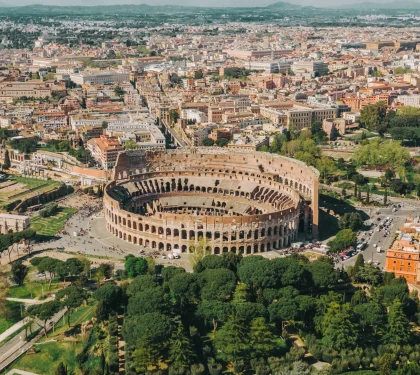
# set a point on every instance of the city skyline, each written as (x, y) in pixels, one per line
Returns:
(203, 3)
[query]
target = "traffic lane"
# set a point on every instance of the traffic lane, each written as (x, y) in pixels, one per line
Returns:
(371, 253)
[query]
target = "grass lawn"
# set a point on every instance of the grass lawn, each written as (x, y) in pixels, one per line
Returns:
(82, 314)
(13, 317)
(49, 356)
(24, 291)
(49, 226)
(26, 187)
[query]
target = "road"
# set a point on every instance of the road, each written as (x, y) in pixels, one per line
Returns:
(18, 345)
(175, 135)
(370, 253)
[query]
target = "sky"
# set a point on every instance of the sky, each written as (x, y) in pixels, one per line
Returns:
(227, 3)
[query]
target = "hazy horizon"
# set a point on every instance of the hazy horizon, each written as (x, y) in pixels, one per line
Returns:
(207, 3)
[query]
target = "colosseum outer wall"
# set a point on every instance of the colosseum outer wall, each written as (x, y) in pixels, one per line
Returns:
(248, 234)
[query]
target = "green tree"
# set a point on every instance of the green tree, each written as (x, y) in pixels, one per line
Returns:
(198, 74)
(360, 262)
(19, 272)
(111, 297)
(173, 116)
(344, 239)
(119, 91)
(185, 289)
(199, 250)
(44, 312)
(399, 330)
(382, 153)
(262, 339)
(147, 355)
(232, 341)
(155, 326)
(149, 301)
(222, 142)
(340, 328)
(181, 350)
(71, 297)
(207, 142)
(385, 364)
(218, 284)
(6, 164)
(131, 144)
(135, 266)
(326, 166)
(141, 283)
(409, 369)
(351, 220)
(372, 115)
(323, 274)
(214, 312)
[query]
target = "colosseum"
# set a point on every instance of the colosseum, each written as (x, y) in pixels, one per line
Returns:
(227, 200)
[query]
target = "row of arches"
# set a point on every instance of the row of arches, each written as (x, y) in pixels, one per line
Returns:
(214, 249)
(232, 235)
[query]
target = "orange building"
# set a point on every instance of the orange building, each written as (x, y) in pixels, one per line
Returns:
(404, 257)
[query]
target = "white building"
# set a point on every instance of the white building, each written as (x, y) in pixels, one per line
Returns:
(409, 100)
(99, 78)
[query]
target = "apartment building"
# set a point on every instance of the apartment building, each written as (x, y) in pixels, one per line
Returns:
(403, 258)
(257, 54)
(105, 150)
(286, 114)
(409, 100)
(99, 78)
(314, 68)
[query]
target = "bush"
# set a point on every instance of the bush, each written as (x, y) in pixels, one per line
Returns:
(197, 369)
(329, 355)
(354, 362)
(50, 210)
(365, 362)
(214, 368)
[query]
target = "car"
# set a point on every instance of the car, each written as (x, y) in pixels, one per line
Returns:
(374, 245)
(163, 256)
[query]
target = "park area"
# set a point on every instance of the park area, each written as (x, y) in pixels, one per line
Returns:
(49, 226)
(62, 345)
(20, 188)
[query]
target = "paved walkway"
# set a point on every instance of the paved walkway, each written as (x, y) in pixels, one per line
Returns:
(30, 301)
(12, 329)
(19, 372)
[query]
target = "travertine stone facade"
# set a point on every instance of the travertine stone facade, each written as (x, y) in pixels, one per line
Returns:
(248, 202)
(13, 223)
